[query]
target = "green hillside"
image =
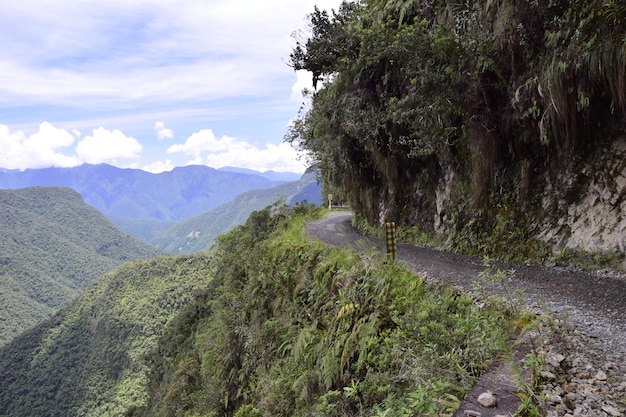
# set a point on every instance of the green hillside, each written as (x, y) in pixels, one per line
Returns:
(198, 233)
(269, 323)
(88, 360)
(52, 247)
(480, 123)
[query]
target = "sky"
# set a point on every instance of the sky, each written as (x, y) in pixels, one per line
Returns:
(151, 84)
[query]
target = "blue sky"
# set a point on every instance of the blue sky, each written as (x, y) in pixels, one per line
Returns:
(150, 84)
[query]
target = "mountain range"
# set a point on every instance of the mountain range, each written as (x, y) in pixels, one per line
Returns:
(135, 194)
(269, 323)
(147, 205)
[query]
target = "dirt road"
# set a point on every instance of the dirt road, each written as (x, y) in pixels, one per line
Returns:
(594, 307)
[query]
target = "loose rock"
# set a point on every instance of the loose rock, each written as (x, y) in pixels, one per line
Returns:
(601, 376)
(487, 399)
(612, 411)
(555, 359)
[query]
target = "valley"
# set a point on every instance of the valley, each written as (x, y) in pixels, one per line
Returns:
(55, 246)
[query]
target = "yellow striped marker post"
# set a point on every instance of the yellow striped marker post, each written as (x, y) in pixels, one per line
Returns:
(390, 230)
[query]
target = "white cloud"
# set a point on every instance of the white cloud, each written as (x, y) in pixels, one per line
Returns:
(196, 161)
(204, 141)
(144, 50)
(163, 132)
(282, 158)
(50, 137)
(40, 149)
(107, 146)
(95, 52)
(52, 146)
(304, 81)
(159, 166)
(215, 152)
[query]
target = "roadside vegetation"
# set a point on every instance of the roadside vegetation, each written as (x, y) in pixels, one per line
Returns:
(290, 327)
(451, 118)
(270, 322)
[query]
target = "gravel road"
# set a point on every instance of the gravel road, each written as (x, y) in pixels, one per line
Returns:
(588, 378)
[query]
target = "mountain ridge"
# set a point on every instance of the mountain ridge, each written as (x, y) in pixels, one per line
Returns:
(247, 328)
(140, 195)
(82, 361)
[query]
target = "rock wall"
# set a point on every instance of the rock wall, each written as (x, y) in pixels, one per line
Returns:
(587, 209)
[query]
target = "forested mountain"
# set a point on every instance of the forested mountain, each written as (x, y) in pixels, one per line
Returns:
(490, 123)
(139, 202)
(270, 323)
(89, 359)
(52, 247)
(199, 232)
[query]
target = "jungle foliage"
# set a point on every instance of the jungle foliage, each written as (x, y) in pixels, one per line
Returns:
(484, 97)
(52, 247)
(288, 326)
(89, 359)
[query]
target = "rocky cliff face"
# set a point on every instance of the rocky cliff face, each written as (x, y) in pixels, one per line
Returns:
(577, 202)
(587, 209)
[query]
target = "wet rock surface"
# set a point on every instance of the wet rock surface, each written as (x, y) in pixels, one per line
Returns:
(584, 344)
